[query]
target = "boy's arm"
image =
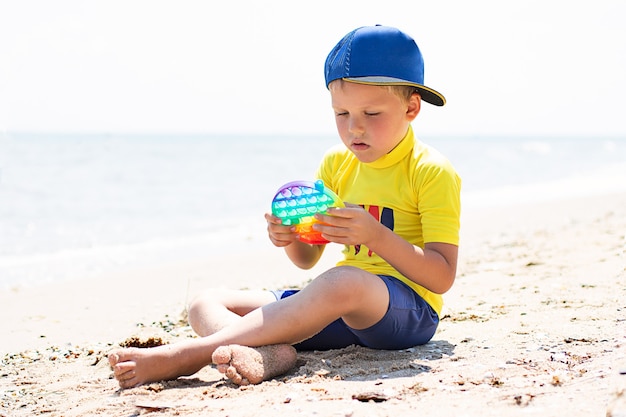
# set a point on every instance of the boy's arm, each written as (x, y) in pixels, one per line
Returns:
(433, 267)
(302, 254)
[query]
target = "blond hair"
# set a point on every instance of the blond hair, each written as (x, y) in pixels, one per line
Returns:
(404, 92)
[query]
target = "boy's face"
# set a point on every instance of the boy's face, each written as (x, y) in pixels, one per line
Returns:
(371, 120)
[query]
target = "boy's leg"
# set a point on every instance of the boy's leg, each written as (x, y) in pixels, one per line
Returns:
(214, 309)
(360, 298)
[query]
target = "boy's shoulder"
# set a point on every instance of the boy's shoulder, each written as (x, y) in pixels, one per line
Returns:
(431, 165)
(425, 154)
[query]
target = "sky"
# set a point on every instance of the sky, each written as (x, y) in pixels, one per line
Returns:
(536, 67)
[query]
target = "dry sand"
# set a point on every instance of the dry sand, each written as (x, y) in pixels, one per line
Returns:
(534, 325)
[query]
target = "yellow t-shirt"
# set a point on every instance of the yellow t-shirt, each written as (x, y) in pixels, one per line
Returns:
(413, 190)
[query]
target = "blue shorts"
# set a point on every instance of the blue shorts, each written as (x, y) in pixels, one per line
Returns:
(409, 321)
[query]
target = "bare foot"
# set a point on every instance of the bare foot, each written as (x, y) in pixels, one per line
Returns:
(136, 366)
(245, 365)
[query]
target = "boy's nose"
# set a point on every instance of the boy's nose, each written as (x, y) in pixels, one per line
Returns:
(355, 126)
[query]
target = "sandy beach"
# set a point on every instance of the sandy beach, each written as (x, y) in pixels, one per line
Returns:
(534, 325)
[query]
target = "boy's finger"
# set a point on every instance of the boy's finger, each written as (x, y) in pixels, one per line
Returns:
(336, 212)
(273, 219)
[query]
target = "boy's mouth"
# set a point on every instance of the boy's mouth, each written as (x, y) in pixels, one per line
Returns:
(359, 146)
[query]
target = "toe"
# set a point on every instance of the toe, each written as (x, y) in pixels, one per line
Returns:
(232, 374)
(122, 368)
(128, 383)
(221, 355)
(222, 367)
(113, 359)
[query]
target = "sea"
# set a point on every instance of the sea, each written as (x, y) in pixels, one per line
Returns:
(75, 206)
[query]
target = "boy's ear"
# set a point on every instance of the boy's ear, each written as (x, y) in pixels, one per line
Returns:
(414, 106)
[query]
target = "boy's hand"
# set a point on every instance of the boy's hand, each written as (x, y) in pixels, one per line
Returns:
(350, 225)
(279, 235)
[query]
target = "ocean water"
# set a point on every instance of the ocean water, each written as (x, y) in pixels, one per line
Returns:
(74, 206)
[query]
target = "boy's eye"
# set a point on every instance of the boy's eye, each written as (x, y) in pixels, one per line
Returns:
(345, 113)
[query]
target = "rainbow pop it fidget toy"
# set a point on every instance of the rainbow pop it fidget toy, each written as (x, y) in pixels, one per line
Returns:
(297, 202)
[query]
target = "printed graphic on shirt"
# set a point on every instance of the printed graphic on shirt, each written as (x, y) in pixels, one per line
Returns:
(384, 216)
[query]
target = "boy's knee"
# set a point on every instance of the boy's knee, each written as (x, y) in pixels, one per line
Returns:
(346, 274)
(345, 281)
(199, 303)
(193, 309)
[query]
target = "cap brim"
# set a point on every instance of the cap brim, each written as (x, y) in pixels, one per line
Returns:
(428, 94)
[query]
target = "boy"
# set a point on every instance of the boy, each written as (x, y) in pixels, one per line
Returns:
(400, 231)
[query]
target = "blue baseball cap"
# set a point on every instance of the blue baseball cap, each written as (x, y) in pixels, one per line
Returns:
(380, 55)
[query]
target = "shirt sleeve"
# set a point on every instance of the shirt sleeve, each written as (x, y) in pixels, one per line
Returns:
(439, 203)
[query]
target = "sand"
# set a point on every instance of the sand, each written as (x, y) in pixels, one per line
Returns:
(534, 325)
